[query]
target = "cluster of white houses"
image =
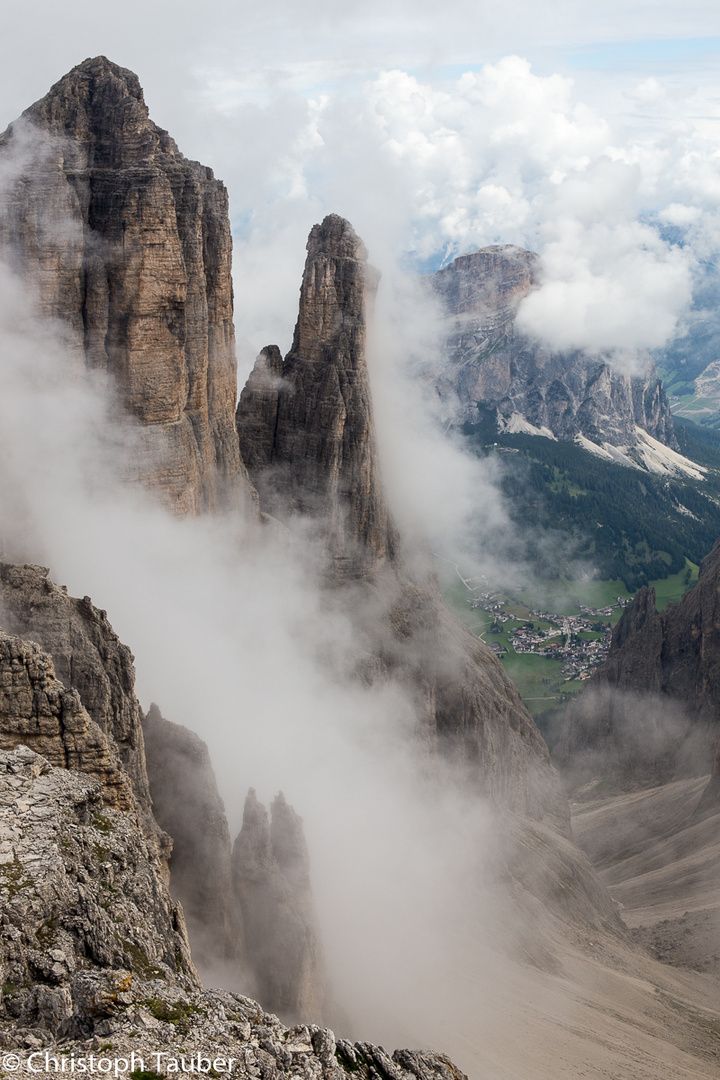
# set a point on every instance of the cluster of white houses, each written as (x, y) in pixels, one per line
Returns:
(579, 642)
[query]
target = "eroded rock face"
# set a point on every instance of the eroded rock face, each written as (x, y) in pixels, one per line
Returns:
(653, 709)
(87, 657)
(37, 711)
(306, 428)
(82, 900)
(250, 914)
(129, 244)
(271, 875)
(187, 805)
(491, 363)
(257, 411)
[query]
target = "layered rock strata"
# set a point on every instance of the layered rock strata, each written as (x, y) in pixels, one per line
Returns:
(307, 428)
(128, 243)
(489, 362)
(653, 709)
(83, 902)
(37, 711)
(89, 658)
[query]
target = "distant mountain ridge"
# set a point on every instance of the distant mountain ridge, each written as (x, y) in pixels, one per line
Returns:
(569, 395)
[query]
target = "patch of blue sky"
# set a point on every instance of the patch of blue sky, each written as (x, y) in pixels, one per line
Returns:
(621, 55)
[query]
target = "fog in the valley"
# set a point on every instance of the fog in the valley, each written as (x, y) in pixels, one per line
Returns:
(428, 155)
(234, 638)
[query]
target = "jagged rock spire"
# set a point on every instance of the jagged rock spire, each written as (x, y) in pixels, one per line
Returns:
(306, 428)
(129, 243)
(271, 876)
(307, 433)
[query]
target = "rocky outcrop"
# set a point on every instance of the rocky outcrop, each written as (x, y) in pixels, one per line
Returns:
(39, 712)
(271, 875)
(87, 657)
(93, 952)
(490, 363)
(82, 900)
(129, 244)
(710, 798)
(250, 913)
(257, 413)
(306, 428)
(187, 805)
(653, 709)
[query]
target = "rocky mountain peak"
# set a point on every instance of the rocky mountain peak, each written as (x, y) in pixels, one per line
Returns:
(653, 709)
(271, 875)
(128, 244)
(306, 428)
(490, 278)
(96, 98)
(334, 237)
(307, 431)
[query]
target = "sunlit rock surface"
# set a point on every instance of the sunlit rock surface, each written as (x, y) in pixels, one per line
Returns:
(82, 898)
(129, 244)
(87, 657)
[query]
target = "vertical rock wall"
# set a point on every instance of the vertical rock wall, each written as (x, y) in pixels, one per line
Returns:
(306, 429)
(271, 876)
(129, 244)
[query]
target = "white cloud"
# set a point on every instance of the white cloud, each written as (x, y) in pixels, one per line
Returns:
(607, 290)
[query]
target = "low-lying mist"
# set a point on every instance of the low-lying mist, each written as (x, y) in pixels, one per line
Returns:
(235, 638)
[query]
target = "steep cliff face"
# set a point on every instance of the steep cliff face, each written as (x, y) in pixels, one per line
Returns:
(249, 908)
(129, 244)
(307, 428)
(491, 363)
(654, 707)
(39, 712)
(88, 657)
(187, 805)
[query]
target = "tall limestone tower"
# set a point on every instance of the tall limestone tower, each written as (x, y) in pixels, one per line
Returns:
(128, 243)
